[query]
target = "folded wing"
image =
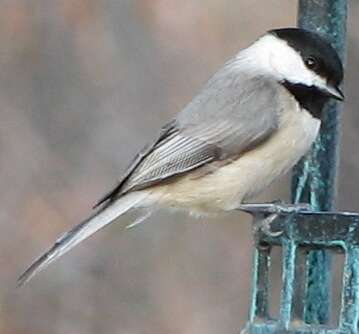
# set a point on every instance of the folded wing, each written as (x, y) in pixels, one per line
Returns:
(229, 117)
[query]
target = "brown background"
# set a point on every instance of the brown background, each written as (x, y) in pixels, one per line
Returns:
(84, 84)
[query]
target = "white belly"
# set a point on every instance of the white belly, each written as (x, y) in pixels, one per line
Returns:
(227, 186)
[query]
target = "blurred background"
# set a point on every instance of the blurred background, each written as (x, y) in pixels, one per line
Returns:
(84, 84)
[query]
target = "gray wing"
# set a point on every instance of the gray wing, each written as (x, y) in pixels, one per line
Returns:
(230, 115)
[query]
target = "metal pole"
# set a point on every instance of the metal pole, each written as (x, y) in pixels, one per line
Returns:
(314, 178)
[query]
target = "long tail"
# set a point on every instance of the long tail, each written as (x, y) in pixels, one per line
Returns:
(82, 231)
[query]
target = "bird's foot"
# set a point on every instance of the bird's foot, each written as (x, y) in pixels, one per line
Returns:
(264, 225)
(277, 207)
(282, 207)
(266, 213)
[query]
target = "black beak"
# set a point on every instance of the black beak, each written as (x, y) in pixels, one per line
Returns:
(335, 92)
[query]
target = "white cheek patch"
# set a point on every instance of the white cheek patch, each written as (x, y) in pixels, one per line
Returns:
(287, 64)
(276, 58)
(320, 82)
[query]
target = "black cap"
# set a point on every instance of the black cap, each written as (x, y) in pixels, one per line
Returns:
(317, 53)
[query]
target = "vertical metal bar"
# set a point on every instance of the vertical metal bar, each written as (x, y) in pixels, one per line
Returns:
(299, 284)
(314, 178)
(349, 316)
(261, 264)
(286, 303)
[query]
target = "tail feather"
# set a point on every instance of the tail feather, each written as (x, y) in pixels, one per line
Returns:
(82, 231)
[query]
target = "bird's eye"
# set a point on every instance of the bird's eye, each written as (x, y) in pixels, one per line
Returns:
(311, 62)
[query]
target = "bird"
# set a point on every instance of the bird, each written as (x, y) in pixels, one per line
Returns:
(250, 123)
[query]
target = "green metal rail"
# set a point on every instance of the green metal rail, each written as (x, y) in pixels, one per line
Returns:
(314, 180)
(300, 233)
(305, 297)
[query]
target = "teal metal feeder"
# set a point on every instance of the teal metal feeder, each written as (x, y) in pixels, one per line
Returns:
(306, 292)
(302, 233)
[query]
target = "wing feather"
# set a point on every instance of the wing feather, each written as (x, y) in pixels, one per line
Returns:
(232, 114)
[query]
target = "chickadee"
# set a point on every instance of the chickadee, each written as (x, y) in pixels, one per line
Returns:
(252, 121)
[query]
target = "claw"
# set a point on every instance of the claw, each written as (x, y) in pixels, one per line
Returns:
(275, 207)
(265, 213)
(264, 225)
(292, 208)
